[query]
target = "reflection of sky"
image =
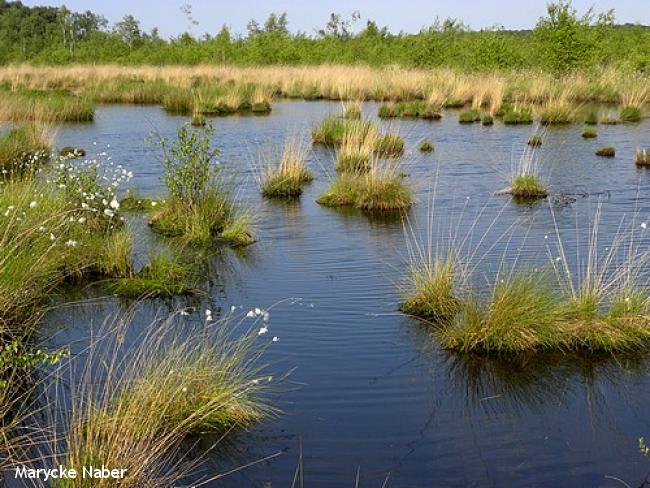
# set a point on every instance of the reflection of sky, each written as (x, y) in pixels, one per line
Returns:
(307, 16)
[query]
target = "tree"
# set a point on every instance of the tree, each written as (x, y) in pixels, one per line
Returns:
(128, 29)
(568, 42)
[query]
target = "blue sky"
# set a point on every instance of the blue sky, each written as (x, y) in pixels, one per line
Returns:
(406, 15)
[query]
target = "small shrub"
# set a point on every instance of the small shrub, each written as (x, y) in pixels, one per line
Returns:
(607, 152)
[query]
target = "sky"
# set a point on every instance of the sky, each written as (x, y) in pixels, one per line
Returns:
(304, 15)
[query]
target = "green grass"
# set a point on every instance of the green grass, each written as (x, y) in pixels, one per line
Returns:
(642, 157)
(389, 145)
(156, 397)
(432, 295)
(631, 113)
(606, 152)
(332, 130)
(135, 203)
(527, 186)
(589, 133)
(382, 188)
(166, 275)
(198, 120)
(45, 106)
(521, 314)
(469, 116)
(487, 120)
(23, 150)
(410, 109)
(286, 177)
(517, 114)
(426, 146)
(535, 140)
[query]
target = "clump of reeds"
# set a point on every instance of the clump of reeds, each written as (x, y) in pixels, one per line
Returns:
(286, 177)
(630, 113)
(525, 182)
(559, 110)
(198, 120)
(426, 146)
(592, 116)
(606, 151)
(642, 157)
(633, 99)
(382, 187)
(357, 148)
(352, 109)
(589, 133)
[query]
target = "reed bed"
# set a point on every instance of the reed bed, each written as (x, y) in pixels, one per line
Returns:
(438, 87)
(41, 105)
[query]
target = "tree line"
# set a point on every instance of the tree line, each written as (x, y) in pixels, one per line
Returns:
(561, 41)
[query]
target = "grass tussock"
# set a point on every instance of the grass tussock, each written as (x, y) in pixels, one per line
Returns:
(285, 178)
(606, 152)
(412, 109)
(525, 182)
(596, 304)
(535, 140)
(642, 157)
(381, 188)
(154, 396)
(589, 133)
(469, 116)
(426, 146)
(167, 274)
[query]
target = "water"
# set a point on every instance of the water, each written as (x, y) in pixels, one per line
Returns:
(370, 389)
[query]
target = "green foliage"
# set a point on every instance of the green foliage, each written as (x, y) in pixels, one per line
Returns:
(190, 164)
(562, 41)
(13, 357)
(568, 42)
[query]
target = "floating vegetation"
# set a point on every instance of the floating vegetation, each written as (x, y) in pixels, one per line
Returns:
(630, 113)
(606, 152)
(589, 133)
(167, 274)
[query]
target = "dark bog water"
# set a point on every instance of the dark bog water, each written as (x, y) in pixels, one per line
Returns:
(371, 389)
